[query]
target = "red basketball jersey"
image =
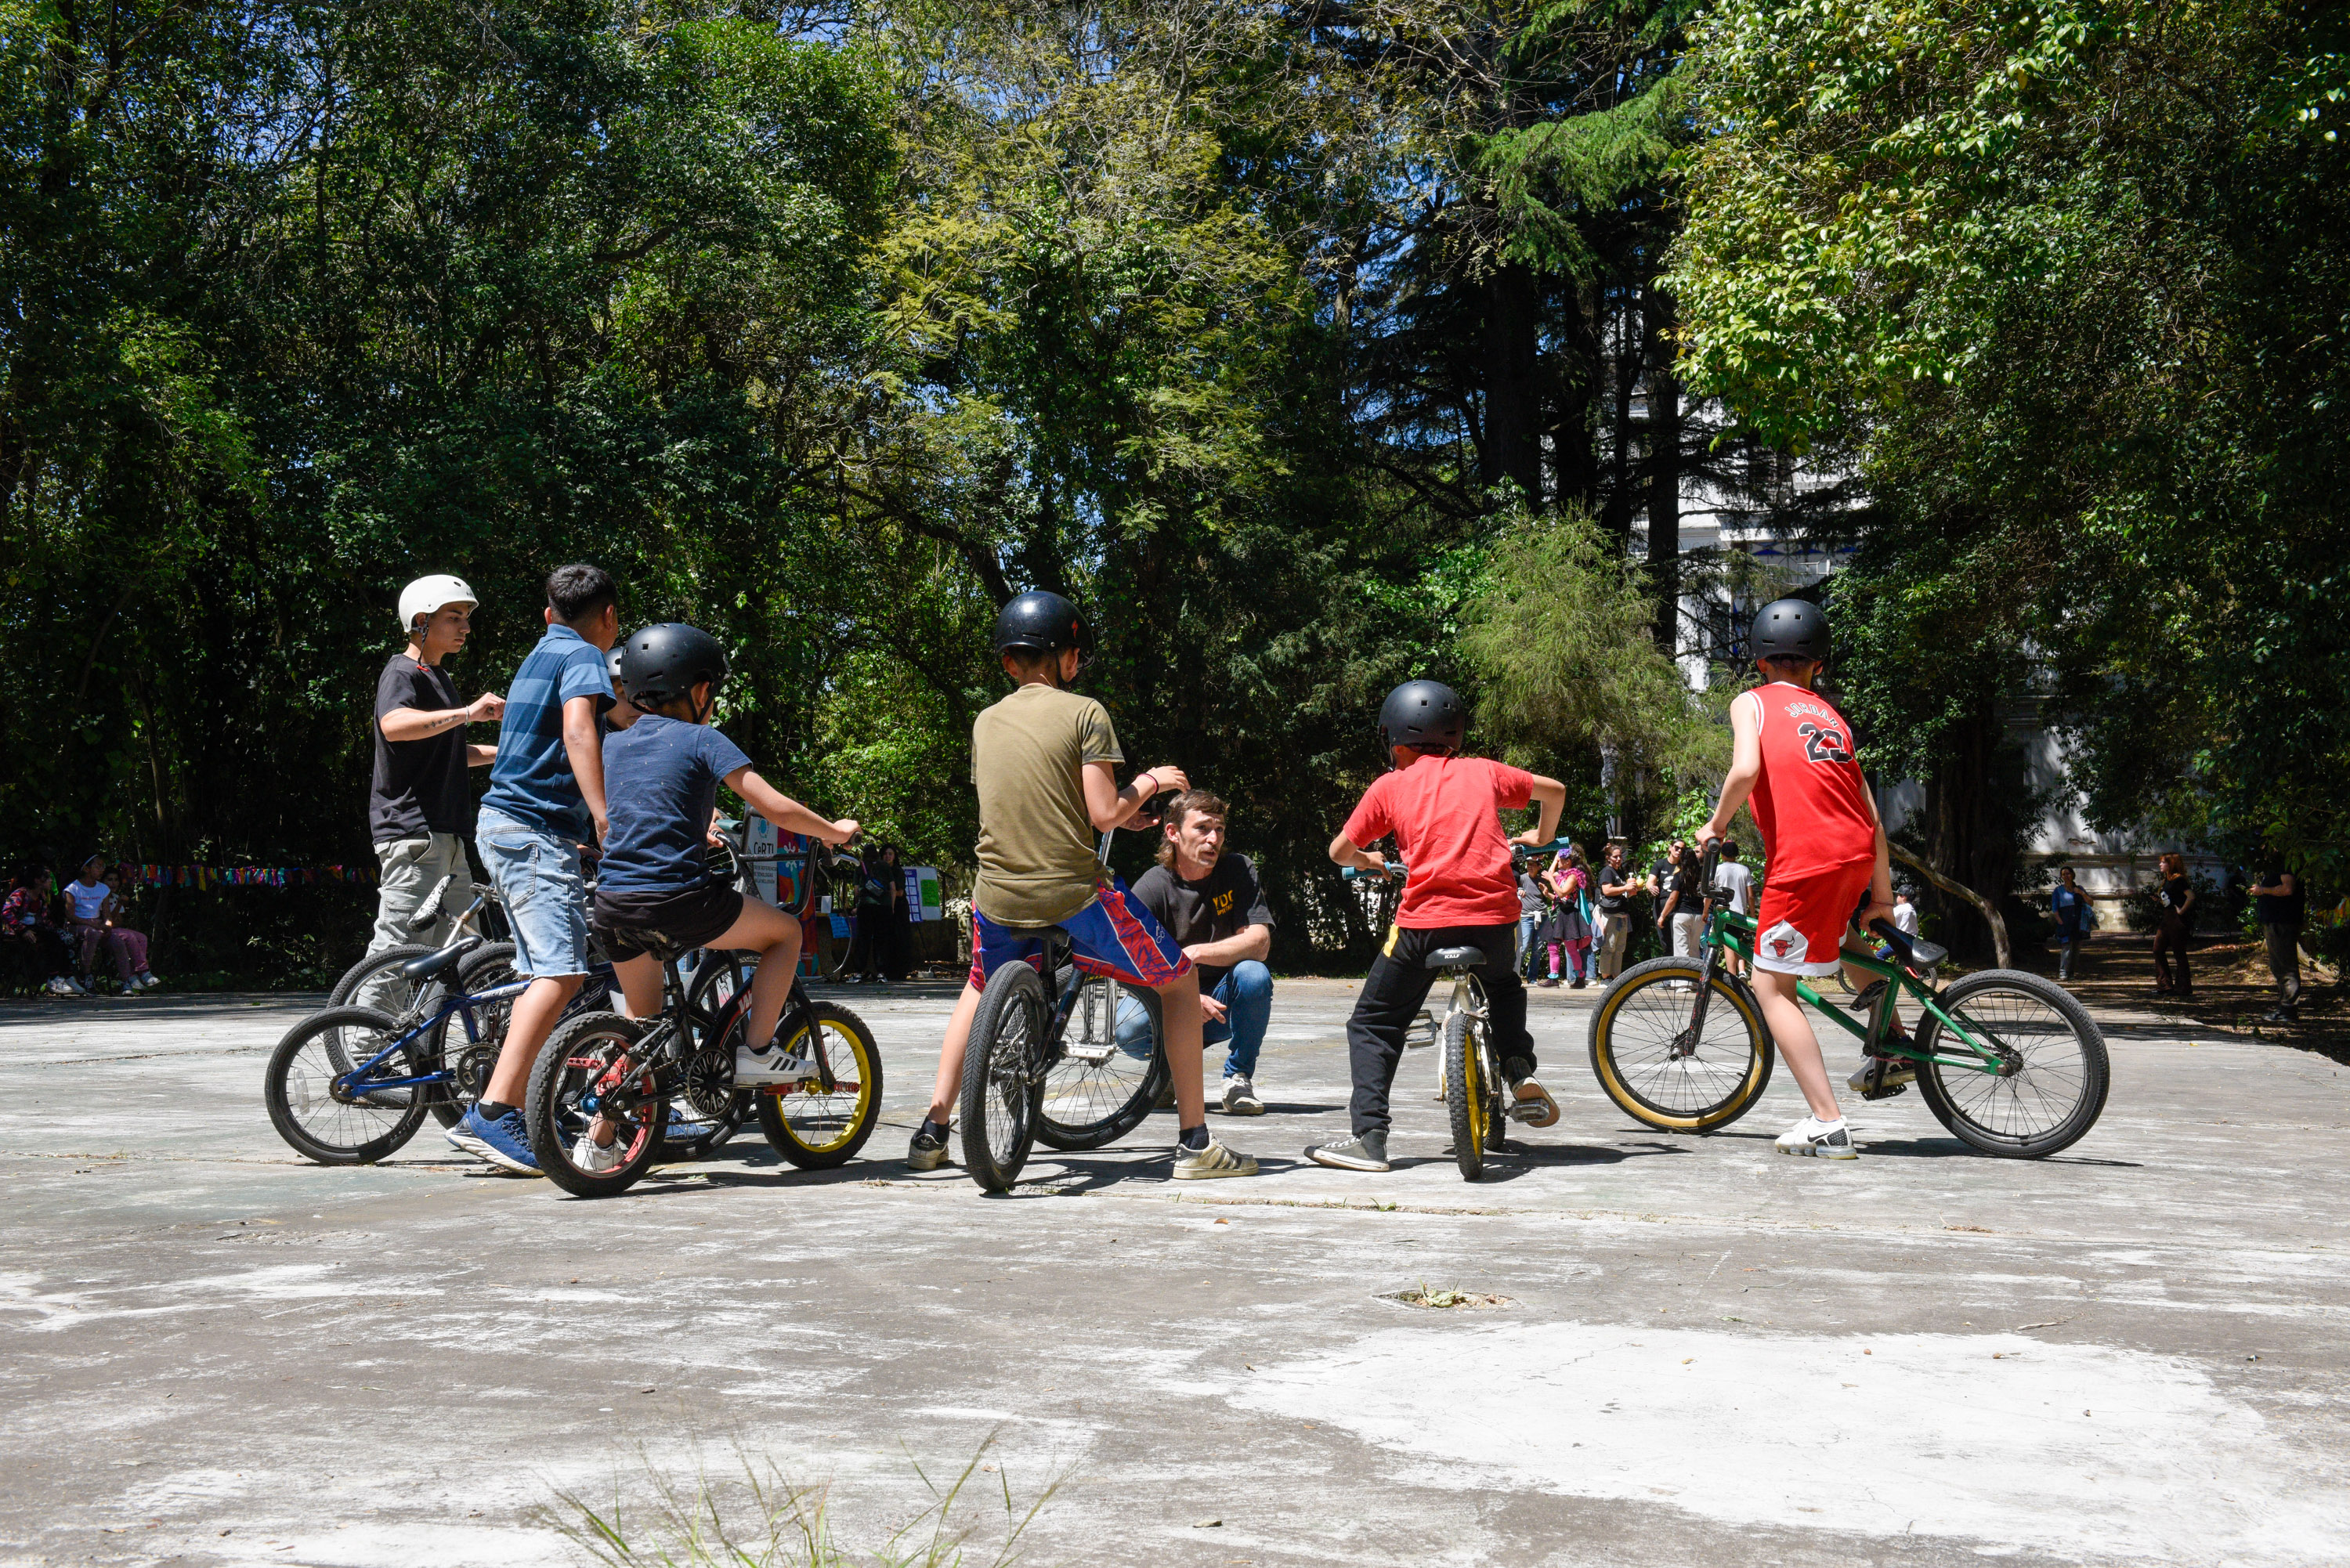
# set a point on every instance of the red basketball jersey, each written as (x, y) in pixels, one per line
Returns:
(1810, 801)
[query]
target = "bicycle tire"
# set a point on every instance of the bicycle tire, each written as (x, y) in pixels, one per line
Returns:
(1123, 1095)
(303, 1108)
(1956, 1096)
(856, 1062)
(573, 1068)
(1631, 1072)
(400, 995)
(1002, 1088)
(1468, 1098)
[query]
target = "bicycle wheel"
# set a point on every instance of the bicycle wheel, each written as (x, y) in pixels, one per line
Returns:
(595, 1063)
(2051, 1085)
(298, 1087)
(814, 1127)
(709, 1110)
(1661, 1074)
(376, 981)
(1001, 1089)
(1468, 1092)
(1094, 1093)
(470, 1062)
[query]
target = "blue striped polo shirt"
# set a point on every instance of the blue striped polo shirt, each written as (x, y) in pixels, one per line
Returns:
(531, 781)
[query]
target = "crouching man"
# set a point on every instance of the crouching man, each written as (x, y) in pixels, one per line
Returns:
(1210, 903)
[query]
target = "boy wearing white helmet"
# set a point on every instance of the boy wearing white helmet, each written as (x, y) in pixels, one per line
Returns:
(420, 806)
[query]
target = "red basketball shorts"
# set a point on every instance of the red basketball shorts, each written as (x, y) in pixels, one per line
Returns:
(1800, 924)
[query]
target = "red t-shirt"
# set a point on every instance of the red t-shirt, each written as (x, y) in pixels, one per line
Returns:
(1810, 801)
(1442, 812)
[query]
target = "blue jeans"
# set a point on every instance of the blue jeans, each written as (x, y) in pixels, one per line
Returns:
(537, 875)
(1526, 925)
(1247, 995)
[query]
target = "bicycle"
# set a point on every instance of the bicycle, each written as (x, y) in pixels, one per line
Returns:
(1023, 1079)
(375, 980)
(1473, 1079)
(2011, 1064)
(631, 1071)
(350, 1086)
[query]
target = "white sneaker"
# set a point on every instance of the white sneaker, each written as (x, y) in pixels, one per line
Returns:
(771, 1068)
(1897, 1070)
(1205, 1164)
(150, 980)
(595, 1159)
(1821, 1140)
(1240, 1097)
(60, 986)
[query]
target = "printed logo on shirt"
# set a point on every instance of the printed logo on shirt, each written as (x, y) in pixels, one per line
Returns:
(1824, 743)
(1222, 902)
(1785, 943)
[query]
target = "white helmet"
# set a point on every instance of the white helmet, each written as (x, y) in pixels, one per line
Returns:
(426, 596)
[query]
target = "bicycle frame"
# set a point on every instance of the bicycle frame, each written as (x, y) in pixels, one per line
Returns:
(1726, 930)
(422, 1024)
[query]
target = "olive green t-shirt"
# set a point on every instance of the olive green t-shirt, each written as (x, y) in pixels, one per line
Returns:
(1037, 860)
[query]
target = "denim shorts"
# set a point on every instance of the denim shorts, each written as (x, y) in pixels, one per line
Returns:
(538, 874)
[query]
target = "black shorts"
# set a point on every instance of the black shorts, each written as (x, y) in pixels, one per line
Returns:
(663, 924)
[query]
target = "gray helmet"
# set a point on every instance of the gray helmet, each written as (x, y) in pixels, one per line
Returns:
(1789, 628)
(662, 663)
(1426, 714)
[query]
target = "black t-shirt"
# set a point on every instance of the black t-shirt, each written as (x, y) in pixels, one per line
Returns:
(2174, 893)
(419, 786)
(661, 783)
(1224, 903)
(2279, 910)
(1610, 903)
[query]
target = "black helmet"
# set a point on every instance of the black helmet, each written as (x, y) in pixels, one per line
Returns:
(1789, 628)
(1040, 622)
(1427, 714)
(662, 663)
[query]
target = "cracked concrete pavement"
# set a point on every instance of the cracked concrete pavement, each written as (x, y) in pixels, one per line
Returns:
(216, 1353)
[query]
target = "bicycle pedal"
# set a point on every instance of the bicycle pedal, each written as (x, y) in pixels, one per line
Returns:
(1885, 1091)
(1425, 1032)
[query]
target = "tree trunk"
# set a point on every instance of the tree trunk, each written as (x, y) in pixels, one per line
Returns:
(1970, 830)
(1575, 454)
(1616, 517)
(1664, 472)
(1513, 396)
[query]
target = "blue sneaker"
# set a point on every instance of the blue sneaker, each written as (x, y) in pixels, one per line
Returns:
(504, 1142)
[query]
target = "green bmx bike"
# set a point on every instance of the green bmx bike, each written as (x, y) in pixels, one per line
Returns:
(2007, 1060)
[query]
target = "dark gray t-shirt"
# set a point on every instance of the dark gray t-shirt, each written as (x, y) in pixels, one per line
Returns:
(1224, 903)
(419, 786)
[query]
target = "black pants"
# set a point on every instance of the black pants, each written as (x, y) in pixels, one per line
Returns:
(1396, 988)
(867, 949)
(2170, 939)
(51, 951)
(2284, 961)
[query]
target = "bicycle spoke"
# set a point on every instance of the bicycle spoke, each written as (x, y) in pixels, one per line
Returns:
(2051, 1071)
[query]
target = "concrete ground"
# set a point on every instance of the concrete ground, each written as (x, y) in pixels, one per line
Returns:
(211, 1352)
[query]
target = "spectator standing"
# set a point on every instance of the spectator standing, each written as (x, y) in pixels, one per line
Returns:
(2174, 924)
(897, 930)
(2279, 901)
(876, 872)
(2071, 908)
(1530, 907)
(95, 913)
(1734, 876)
(1683, 905)
(1616, 885)
(26, 919)
(420, 804)
(1570, 919)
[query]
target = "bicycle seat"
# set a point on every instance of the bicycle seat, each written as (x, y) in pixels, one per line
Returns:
(1454, 958)
(431, 964)
(1915, 951)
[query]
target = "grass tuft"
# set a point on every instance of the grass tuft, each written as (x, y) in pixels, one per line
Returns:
(657, 1519)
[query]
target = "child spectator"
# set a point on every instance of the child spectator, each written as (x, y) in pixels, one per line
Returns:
(94, 913)
(25, 921)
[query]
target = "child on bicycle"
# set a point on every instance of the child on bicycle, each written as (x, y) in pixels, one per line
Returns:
(1825, 845)
(655, 897)
(1044, 760)
(1444, 811)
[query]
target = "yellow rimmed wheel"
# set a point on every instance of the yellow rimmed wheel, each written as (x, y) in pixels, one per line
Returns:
(1663, 1068)
(816, 1127)
(1471, 1095)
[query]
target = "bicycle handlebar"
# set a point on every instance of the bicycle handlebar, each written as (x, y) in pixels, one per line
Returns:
(1392, 869)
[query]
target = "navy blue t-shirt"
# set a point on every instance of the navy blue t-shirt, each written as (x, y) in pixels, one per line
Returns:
(660, 780)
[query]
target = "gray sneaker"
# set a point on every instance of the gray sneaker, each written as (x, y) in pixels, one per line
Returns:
(1240, 1097)
(1363, 1151)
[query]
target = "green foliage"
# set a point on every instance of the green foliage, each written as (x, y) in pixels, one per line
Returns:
(2068, 278)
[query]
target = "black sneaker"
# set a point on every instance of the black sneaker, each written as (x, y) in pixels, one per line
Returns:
(1363, 1151)
(929, 1149)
